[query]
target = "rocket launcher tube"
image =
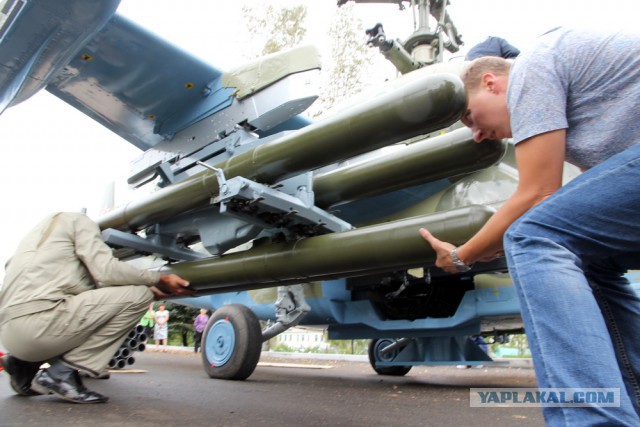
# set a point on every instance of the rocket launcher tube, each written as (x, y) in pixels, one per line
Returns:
(443, 156)
(382, 247)
(418, 106)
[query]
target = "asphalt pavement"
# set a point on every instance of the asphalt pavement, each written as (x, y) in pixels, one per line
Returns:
(172, 389)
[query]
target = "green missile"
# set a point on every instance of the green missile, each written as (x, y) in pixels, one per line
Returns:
(415, 107)
(443, 156)
(378, 248)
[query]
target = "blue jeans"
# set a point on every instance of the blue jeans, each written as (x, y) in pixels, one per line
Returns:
(567, 257)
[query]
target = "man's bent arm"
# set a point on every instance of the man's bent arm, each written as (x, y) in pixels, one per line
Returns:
(540, 165)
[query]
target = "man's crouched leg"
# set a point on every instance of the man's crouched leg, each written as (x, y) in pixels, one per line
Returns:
(65, 382)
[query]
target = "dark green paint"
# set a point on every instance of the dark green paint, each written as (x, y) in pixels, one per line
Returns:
(443, 156)
(383, 247)
(417, 107)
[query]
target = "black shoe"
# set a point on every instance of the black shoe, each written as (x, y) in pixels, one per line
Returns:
(70, 388)
(21, 373)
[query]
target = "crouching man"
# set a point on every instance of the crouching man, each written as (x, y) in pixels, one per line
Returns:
(68, 301)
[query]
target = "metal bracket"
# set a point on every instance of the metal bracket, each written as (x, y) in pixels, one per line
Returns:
(268, 208)
(153, 245)
(452, 350)
(222, 181)
(291, 307)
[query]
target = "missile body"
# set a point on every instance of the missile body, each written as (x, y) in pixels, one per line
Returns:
(420, 106)
(378, 248)
(439, 157)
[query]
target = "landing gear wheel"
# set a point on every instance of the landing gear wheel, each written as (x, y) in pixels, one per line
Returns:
(231, 343)
(375, 346)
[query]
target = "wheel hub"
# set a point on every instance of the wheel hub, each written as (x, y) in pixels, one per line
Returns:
(220, 342)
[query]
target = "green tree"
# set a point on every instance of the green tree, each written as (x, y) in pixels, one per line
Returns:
(521, 343)
(344, 75)
(181, 323)
(274, 29)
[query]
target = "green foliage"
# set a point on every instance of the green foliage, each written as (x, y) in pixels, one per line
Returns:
(280, 28)
(178, 339)
(181, 313)
(181, 323)
(349, 346)
(516, 346)
(335, 347)
(315, 349)
(345, 75)
(283, 348)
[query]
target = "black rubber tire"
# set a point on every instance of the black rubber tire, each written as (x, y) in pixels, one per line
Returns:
(374, 346)
(236, 350)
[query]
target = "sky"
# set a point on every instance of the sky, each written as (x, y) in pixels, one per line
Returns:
(55, 158)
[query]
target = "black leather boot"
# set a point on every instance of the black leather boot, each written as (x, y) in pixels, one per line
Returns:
(21, 373)
(65, 382)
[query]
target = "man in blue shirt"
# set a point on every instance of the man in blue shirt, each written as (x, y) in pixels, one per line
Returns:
(575, 97)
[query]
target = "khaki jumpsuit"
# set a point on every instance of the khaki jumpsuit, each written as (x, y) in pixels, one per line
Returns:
(65, 295)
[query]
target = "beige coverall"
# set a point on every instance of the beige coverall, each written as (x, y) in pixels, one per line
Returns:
(66, 295)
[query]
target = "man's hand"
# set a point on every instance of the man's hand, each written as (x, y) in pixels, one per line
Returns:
(442, 250)
(171, 285)
(158, 295)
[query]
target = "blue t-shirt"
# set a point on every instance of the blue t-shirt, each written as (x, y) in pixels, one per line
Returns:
(493, 46)
(583, 81)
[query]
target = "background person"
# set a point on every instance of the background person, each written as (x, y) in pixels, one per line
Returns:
(148, 321)
(493, 46)
(161, 328)
(199, 324)
(575, 97)
(68, 301)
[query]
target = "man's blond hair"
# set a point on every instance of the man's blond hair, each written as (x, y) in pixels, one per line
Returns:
(472, 75)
